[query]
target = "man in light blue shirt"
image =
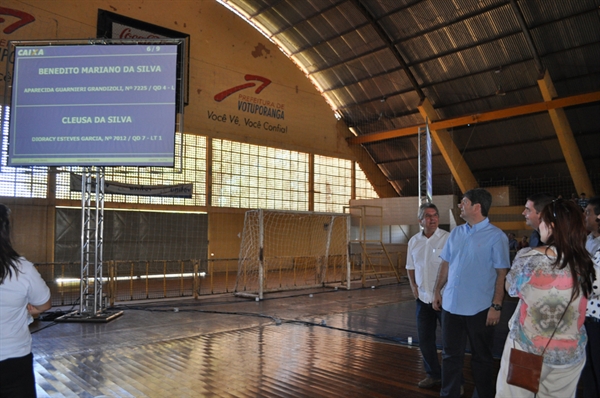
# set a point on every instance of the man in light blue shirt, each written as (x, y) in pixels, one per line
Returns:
(475, 261)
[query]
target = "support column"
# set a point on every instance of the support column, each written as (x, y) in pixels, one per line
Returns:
(455, 161)
(567, 142)
(50, 215)
(311, 182)
(378, 180)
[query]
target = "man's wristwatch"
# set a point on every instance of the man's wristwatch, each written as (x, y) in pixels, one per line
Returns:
(497, 307)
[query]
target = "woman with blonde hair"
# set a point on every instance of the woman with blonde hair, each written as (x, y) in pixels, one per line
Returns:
(552, 282)
(22, 293)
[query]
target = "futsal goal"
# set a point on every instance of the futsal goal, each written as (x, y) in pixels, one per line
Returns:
(286, 250)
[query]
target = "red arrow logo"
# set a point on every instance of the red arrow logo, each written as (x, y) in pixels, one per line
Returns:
(224, 94)
(24, 19)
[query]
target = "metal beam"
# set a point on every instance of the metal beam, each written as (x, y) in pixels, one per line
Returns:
(545, 106)
(390, 45)
(567, 142)
(534, 52)
(456, 163)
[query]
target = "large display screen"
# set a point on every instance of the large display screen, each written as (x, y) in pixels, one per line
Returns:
(93, 105)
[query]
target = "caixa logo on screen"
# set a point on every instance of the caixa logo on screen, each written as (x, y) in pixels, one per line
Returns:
(254, 105)
(30, 52)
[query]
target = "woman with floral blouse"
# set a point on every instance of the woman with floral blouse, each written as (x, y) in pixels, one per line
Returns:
(551, 280)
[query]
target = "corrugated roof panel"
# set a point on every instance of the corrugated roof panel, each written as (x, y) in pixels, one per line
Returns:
(309, 59)
(457, 36)
(381, 7)
(505, 132)
(460, 8)
(468, 56)
(293, 12)
(421, 16)
(293, 40)
(570, 32)
(492, 102)
(332, 52)
(272, 20)
(249, 7)
(474, 59)
(507, 79)
(537, 12)
(344, 48)
(581, 124)
(307, 9)
(463, 89)
(345, 17)
(429, 15)
(373, 64)
(321, 27)
(329, 24)
(579, 85)
(393, 83)
(340, 97)
(519, 142)
(581, 64)
(330, 77)
(349, 72)
(362, 93)
(407, 102)
(358, 43)
(386, 84)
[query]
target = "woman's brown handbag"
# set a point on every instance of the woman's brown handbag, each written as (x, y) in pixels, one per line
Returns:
(525, 370)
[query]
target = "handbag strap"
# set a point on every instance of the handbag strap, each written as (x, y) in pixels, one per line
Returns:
(558, 323)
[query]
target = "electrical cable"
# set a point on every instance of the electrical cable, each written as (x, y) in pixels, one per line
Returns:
(278, 321)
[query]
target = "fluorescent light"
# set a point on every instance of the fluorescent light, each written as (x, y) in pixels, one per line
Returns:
(127, 278)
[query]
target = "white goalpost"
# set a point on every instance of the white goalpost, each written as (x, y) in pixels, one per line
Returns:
(286, 250)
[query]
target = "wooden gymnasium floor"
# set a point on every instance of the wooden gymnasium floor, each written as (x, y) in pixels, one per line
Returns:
(318, 343)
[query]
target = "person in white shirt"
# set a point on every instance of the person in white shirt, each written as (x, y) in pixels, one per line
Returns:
(22, 293)
(590, 376)
(590, 214)
(422, 265)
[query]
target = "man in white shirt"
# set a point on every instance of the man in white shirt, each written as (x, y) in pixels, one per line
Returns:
(422, 265)
(590, 214)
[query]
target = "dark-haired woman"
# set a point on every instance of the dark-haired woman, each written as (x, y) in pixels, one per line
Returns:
(551, 281)
(22, 293)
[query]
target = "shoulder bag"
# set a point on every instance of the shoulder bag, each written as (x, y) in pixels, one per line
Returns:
(525, 368)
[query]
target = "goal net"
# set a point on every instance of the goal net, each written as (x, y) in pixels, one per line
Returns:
(285, 250)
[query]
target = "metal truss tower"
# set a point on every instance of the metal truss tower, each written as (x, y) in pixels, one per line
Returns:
(92, 303)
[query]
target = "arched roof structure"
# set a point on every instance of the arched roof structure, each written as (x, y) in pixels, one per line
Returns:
(511, 88)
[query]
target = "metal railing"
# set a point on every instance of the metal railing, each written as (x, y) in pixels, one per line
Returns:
(144, 280)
